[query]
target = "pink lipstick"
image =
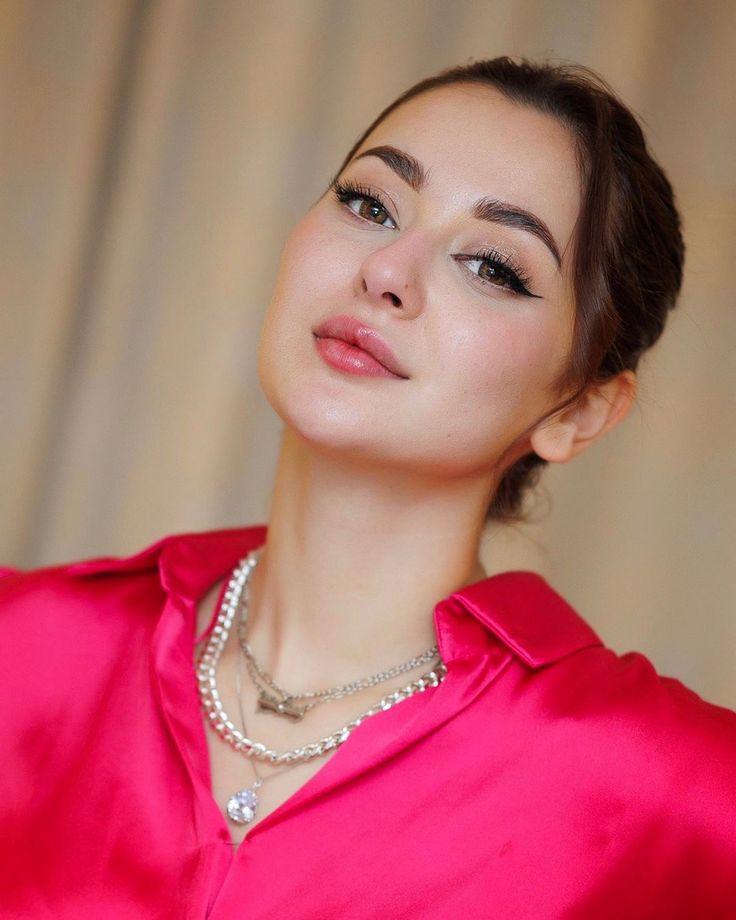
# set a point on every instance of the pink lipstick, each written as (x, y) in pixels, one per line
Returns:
(352, 347)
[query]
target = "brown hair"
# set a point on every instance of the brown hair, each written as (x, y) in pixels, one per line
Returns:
(627, 248)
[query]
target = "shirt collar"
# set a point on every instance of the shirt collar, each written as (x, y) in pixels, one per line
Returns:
(527, 615)
(518, 607)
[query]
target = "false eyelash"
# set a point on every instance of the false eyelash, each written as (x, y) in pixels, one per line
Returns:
(517, 280)
(345, 190)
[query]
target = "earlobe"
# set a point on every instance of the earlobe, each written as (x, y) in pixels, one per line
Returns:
(601, 407)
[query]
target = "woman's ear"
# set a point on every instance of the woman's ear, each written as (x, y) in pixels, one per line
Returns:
(602, 406)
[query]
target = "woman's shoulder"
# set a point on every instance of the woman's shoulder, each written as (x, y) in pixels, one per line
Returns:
(667, 755)
(183, 563)
(632, 697)
(48, 586)
(610, 716)
(561, 657)
(641, 749)
(667, 728)
(648, 738)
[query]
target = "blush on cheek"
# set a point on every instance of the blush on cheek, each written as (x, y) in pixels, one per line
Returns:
(534, 352)
(512, 375)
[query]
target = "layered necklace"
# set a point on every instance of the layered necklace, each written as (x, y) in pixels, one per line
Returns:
(243, 804)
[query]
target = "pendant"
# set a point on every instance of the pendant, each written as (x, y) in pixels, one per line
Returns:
(241, 807)
(268, 703)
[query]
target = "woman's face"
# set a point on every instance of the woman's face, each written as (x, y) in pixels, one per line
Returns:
(438, 262)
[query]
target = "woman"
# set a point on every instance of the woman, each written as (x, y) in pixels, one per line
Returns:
(466, 302)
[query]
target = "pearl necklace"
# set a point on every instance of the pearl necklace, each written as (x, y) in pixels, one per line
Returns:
(242, 806)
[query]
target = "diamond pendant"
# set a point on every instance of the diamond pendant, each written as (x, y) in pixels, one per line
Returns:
(241, 807)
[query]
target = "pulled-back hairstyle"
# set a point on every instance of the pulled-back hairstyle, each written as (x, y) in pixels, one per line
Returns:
(627, 249)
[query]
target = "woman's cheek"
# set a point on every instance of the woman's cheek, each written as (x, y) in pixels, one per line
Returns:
(507, 370)
(319, 253)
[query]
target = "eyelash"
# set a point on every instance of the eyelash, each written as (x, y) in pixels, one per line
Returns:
(513, 277)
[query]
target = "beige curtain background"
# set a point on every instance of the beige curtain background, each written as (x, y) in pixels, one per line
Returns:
(154, 155)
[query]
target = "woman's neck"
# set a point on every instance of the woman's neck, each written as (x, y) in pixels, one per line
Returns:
(356, 559)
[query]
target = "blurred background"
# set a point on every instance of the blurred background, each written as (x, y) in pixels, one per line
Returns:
(154, 155)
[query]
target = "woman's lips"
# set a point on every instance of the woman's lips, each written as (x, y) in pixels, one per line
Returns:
(349, 358)
(350, 345)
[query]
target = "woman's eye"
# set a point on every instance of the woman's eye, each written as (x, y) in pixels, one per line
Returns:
(370, 209)
(365, 204)
(494, 269)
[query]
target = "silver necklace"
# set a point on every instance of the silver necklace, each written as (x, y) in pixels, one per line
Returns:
(241, 807)
(284, 702)
(244, 808)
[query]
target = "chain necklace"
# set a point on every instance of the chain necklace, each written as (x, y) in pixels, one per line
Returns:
(283, 704)
(243, 811)
(242, 806)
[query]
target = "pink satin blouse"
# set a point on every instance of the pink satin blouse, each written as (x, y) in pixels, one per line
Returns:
(546, 777)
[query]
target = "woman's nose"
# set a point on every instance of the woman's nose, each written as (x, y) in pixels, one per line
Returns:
(390, 276)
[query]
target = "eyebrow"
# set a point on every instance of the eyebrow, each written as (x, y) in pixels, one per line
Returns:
(414, 174)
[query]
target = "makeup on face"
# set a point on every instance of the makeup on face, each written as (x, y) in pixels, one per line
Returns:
(355, 348)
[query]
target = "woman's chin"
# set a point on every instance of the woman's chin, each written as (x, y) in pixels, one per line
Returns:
(323, 409)
(332, 433)
(327, 426)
